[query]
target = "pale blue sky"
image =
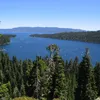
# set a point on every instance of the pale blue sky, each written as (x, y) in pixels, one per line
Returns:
(81, 14)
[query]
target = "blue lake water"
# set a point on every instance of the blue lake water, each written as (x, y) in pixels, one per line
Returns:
(25, 47)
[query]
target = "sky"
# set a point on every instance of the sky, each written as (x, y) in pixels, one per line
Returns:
(77, 14)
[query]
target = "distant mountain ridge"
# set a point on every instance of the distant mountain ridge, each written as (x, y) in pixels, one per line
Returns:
(39, 30)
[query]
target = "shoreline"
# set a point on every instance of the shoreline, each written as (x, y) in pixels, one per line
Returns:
(5, 44)
(66, 39)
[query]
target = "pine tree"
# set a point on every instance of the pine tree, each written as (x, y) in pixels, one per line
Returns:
(4, 90)
(22, 90)
(57, 82)
(71, 79)
(1, 74)
(86, 84)
(66, 66)
(60, 80)
(97, 77)
(16, 92)
(76, 66)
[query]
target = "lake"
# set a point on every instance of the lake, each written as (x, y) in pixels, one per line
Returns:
(25, 47)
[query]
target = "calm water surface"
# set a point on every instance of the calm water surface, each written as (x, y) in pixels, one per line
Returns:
(25, 47)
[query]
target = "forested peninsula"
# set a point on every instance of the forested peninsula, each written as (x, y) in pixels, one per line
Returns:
(90, 36)
(49, 78)
(5, 38)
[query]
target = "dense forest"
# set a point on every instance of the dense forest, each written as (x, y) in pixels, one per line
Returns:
(49, 78)
(5, 39)
(93, 36)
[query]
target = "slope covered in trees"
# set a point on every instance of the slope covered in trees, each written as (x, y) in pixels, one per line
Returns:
(5, 39)
(93, 36)
(49, 78)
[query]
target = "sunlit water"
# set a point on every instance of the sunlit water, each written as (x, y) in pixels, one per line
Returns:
(25, 47)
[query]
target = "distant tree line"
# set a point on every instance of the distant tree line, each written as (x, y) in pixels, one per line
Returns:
(90, 36)
(49, 78)
(5, 39)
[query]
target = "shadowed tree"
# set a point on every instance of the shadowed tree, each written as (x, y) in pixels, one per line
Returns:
(86, 84)
(97, 77)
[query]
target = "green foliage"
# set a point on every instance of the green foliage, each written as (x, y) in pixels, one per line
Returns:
(49, 78)
(60, 86)
(16, 92)
(86, 83)
(24, 98)
(5, 39)
(97, 77)
(0, 35)
(56, 99)
(4, 90)
(91, 36)
(53, 49)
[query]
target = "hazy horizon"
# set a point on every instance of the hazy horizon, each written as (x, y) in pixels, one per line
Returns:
(76, 14)
(40, 27)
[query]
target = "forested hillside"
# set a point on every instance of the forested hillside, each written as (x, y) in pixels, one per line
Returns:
(49, 78)
(93, 36)
(5, 39)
